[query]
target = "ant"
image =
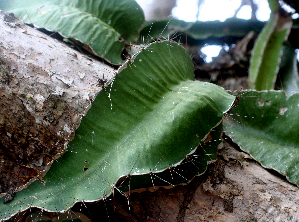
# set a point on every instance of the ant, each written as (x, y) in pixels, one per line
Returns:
(102, 82)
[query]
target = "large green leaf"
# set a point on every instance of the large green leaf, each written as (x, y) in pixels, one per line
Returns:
(103, 26)
(266, 125)
(153, 115)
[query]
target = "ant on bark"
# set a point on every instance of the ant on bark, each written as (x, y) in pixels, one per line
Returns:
(102, 82)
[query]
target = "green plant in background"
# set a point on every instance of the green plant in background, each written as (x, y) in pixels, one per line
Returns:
(287, 76)
(268, 48)
(156, 114)
(199, 33)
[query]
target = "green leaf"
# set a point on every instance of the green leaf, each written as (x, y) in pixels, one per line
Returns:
(194, 164)
(102, 26)
(273, 5)
(153, 115)
(267, 52)
(266, 125)
(288, 79)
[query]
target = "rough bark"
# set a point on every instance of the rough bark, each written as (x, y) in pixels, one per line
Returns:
(45, 89)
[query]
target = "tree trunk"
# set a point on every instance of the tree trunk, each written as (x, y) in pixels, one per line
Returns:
(45, 88)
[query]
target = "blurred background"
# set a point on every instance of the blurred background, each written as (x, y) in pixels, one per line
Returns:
(208, 10)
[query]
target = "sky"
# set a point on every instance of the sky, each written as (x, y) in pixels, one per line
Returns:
(214, 10)
(218, 10)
